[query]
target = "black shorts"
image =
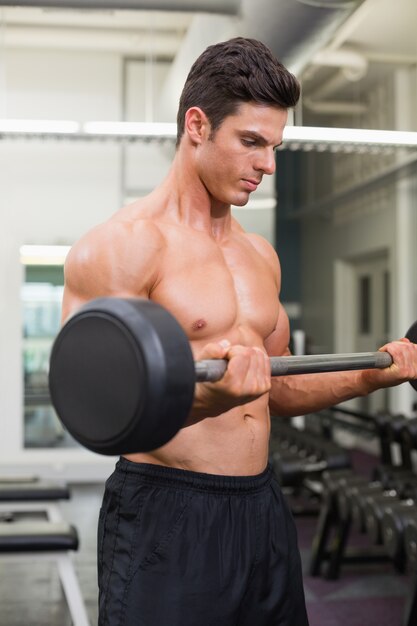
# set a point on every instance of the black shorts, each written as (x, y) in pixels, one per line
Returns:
(179, 548)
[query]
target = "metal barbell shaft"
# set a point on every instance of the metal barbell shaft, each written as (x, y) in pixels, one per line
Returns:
(212, 370)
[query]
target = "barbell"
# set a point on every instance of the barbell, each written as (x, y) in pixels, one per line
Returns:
(122, 374)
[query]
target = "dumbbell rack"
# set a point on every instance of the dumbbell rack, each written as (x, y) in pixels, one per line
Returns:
(335, 519)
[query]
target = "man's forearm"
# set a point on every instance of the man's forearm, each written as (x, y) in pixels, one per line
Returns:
(306, 393)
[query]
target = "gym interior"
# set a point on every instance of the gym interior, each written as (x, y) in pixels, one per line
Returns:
(76, 78)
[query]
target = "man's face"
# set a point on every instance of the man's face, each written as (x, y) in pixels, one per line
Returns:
(232, 163)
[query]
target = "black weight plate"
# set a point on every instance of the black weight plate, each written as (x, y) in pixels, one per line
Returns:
(122, 375)
(94, 372)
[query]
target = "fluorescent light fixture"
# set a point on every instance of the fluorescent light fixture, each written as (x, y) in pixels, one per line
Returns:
(294, 136)
(300, 134)
(48, 127)
(43, 255)
(125, 129)
(352, 136)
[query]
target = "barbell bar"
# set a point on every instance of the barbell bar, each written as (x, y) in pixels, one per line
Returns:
(212, 370)
(122, 374)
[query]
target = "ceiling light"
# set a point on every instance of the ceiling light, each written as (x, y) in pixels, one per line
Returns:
(43, 254)
(129, 129)
(52, 127)
(350, 136)
(295, 137)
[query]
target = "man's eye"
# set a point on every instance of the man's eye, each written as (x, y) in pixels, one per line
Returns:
(248, 142)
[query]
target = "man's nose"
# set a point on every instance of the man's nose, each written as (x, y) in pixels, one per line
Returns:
(266, 162)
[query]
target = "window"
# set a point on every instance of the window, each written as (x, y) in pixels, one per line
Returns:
(41, 297)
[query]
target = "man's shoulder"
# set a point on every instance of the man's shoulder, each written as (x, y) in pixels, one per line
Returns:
(121, 255)
(126, 234)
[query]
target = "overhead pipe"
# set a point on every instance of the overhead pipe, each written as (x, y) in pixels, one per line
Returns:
(352, 67)
(295, 29)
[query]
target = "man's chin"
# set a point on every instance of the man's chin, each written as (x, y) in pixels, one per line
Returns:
(241, 200)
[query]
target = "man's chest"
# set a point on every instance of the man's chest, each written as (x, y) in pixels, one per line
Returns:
(212, 290)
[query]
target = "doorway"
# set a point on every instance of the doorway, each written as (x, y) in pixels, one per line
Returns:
(363, 292)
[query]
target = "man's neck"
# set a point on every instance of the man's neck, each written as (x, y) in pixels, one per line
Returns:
(186, 195)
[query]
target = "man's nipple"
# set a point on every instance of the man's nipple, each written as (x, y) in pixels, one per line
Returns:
(199, 324)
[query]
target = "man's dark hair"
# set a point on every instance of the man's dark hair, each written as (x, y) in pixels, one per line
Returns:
(235, 71)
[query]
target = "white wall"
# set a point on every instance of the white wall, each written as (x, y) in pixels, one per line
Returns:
(51, 192)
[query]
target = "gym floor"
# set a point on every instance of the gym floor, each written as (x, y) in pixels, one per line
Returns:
(30, 592)
(365, 595)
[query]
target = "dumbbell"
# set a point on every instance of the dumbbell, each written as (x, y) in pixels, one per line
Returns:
(393, 522)
(410, 542)
(373, 510)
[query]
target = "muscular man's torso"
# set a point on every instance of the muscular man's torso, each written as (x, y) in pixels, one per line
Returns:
(218, 291)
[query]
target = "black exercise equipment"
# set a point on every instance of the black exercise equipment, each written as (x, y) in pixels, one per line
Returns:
(393, 525)
(357, 497)
(122, 374)
(328, 518)
(329, 548)
(394, 477)
(373, 512)
(292, 469)
(41, 491)
(286, 438)
(408, 440)
(346, 491)
(395, 434)
(410, 542)
(388, 428)
(404, 484)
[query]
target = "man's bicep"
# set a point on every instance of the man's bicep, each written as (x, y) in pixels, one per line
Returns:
(277, 344)
(119, 258)
(85, 282)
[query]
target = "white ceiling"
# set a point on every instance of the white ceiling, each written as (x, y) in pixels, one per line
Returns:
(385, 29)
(381, 31)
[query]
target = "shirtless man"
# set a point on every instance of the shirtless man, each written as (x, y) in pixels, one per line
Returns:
(197, 532)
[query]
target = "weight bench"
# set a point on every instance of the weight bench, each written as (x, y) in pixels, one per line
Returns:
(48, 541)
(33, 495)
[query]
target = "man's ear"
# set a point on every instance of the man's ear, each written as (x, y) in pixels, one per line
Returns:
(196, 124)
